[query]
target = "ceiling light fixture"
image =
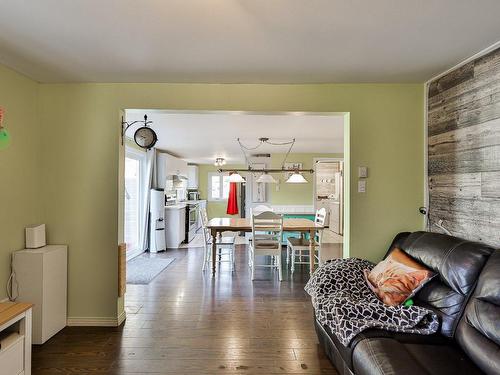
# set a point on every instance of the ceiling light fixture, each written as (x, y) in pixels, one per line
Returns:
(219, 162)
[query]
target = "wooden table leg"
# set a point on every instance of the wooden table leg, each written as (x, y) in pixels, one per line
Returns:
(214, 250)
(312, 234)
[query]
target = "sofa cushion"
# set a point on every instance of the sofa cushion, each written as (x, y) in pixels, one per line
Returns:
(397, 278)
(345, 352)
(458, 263)
(388, 356)
(478, 332)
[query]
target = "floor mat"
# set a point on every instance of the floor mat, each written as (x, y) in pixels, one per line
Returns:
(141, 270)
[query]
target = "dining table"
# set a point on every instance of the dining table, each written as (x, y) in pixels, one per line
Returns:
(218, 225)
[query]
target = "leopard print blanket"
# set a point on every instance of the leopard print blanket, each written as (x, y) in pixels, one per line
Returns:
(344, 303)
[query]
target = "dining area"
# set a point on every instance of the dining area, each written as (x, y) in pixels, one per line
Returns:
(266, 242)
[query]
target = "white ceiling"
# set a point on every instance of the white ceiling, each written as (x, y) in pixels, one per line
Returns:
(272, 41)
(203, 136)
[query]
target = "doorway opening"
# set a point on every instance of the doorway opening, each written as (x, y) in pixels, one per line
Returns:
(183, 166)
(329, 194)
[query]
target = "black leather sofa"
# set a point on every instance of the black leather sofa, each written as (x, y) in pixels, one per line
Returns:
(465, 296)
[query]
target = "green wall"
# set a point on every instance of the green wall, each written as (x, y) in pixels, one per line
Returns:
(79, 164)
(20, 201)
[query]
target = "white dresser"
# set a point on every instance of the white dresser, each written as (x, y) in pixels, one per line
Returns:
(42, 277)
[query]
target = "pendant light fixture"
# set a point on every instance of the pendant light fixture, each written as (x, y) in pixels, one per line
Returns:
(267, 179)
(236, 177)
(296, 178)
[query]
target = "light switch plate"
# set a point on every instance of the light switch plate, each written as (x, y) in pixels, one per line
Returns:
(361, 186)
(362, 172)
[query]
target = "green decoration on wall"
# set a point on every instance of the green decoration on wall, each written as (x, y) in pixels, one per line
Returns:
(4, 138)
(4, 134)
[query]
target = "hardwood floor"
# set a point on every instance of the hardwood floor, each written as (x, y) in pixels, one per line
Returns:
(185, 322)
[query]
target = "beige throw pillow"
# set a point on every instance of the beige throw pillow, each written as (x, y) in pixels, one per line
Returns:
(397, 278)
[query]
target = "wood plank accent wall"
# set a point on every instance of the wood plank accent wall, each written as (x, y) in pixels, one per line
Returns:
(464, 150)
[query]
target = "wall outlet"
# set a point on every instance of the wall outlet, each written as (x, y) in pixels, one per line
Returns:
(361, 186)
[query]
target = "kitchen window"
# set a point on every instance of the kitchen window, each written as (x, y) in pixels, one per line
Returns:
(218, 187)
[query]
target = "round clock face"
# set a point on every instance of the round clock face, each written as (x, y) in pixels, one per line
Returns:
(145, 137)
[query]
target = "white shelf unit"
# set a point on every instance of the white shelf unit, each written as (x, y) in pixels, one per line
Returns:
(42, 278)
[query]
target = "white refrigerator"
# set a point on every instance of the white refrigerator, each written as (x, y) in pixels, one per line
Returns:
(157, 221)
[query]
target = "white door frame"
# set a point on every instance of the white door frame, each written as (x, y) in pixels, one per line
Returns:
(347, 160)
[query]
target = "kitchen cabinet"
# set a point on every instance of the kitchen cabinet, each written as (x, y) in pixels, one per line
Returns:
(176, 166)
(168, 165)
(192, 177)
(175, 229)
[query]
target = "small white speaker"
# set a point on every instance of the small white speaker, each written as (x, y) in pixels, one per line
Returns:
(35, 236)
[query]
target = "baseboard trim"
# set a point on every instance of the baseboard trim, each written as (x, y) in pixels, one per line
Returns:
(96, 321)
(122, 317)
(4, 300)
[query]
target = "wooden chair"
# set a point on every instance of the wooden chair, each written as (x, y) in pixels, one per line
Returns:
(299, 247)
(267, 232)
(260, 209)
(255, 211)
(224, 246)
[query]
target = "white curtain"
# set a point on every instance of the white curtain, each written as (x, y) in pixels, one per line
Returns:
(149, 181)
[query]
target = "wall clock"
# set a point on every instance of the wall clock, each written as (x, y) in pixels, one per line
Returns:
(145, 137)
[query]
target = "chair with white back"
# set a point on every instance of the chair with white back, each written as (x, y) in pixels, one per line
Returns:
(255, 211)
(260, 209)
(267, 233)
(224, 245)
(297, 249)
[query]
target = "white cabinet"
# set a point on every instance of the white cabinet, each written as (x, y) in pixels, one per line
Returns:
(168, 165)
(192, 177)
(176, 166)
(42, 277)
(183, 169)
(175, 228)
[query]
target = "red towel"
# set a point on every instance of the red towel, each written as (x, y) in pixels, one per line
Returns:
(232, 200)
